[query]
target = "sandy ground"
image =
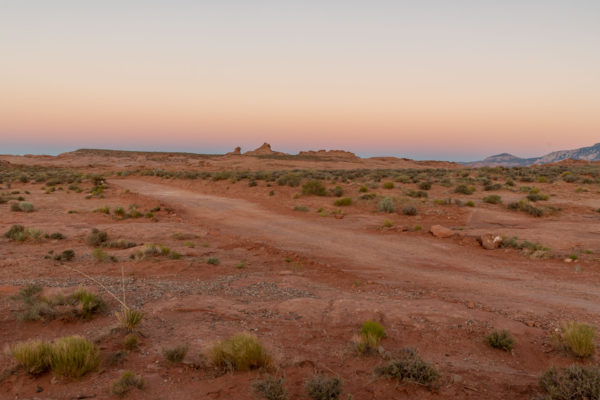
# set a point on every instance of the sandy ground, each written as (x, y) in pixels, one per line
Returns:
(307, 285)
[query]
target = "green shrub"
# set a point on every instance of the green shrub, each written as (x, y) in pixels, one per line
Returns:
(578, 337)
(409, 210)
(337, 191)
(501, 339)
(418, 194)
(270, 388)
(464, 189)
(388, 185)
(213, 261)
(470, 204)
(22, 206)
(119, 212)
(73, 357)
(410, 368)
(100, 255)
(370, 336)
(387, 204)
(314, 187)
(301, 208)
(242, 352)
(15, 232)
(576, 382)
(96, 238)
(323, 387)
(175, 354)
(493, 199)
(32, 355)
(345, 201)
(89, 303)
(131, 342)
(363, 189)
(425, 185)
(129, 318)
(34, 306)
(126, 382)
(290, 179)
(536, 197)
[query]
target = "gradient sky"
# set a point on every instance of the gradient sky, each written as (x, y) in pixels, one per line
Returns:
(454, 80)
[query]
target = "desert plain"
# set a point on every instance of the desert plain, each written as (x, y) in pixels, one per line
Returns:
(298, 251)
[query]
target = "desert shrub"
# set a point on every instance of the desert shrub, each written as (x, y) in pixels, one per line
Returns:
(15, 232)
(73, 357)
(22, 206)
(56, 236)
(526, 207)
(175, 354)
(470, 204)
(103, 210)
(129, 318)
(89, 303)
(337, 191)
(363, 189)
(578, 338)
(126, 382)
(184, 236)
(501, 339)
(387, 224)
(409, 210)
(464, 189)
(536, 197)
(119, 212)
(323, 387)
(418, 194)
(493, 199)
(22, 234)
(576, 382)
(370, 336)
(66, 255)
(242, 352)
(100, 255)
(96, 238)
(387, 204)
(270, 388)
(344, 201)
(368, 196)
(388, 185)
(425, 185)
(495, 186)
(301, 208)
(213, 261)
(119, 244)
(314, 187)
(32, 355)
(410, 368)
(34, 306)
(130, 342)
(290, 179)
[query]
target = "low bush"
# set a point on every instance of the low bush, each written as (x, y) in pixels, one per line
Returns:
(21, 234)
(576, 382)
(22, 206)
(213, 261)
(337, 191)
(501, 339)
(493, 199)
(270, 388)
(370, 336)
(242, 352)
(387, 204)
(410, 368)
(73, 357)
(96, 238)
(425, 185)
(89, 303)
(409, 210)
(126, 382)
(344, 201)
(129, 318)
(131, 342)
(464, 189)
(175, 354)
(314, 187)
(301, 208)
(323, 387)
(388, 185)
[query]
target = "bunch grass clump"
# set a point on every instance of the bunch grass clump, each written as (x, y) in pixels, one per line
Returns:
(242, 352)
(370, 336)
(129, 318)
(323, 387)
(578, 338)
(73, 357)
(32, 355)
(175, 354)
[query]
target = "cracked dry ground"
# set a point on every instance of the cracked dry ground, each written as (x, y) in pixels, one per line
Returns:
(303, 286)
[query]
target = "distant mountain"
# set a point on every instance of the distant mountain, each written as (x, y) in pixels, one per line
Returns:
(591, 153)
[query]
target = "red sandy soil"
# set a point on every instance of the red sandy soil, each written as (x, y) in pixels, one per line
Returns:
(308, 284)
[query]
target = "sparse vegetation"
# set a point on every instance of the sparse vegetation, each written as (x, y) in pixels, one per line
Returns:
(129, 318)
(576, 382)
(126, 382)
(409, 210)
(213, 261)
(242, 352)
(175, 354)
(270, 388)
(387, 204)
(501, 339)
(96, 238)
(33, 356)
(22, 206)
(464, 189)
(314, 187)
(344, 201)
(408, 367)
(73, 357)
(493, 199)
(323, 387)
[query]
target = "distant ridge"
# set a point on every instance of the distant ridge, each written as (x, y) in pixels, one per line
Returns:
(591, 153)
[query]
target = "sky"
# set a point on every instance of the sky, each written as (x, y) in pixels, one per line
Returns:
(426, 79)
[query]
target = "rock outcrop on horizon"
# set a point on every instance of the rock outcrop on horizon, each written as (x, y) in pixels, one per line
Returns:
(264, 150)
(591, 153)
(330, 155)
(236, 152)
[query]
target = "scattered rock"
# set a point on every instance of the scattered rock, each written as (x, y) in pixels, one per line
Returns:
(441, 231)
(490, 241)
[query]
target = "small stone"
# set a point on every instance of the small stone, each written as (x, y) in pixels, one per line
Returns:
(568, 260)
(490, 241)
(471, 304)
(441, 231)
(39, 389)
